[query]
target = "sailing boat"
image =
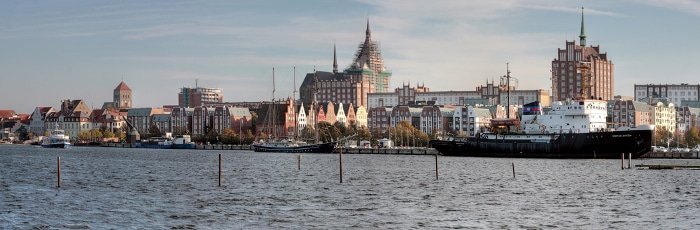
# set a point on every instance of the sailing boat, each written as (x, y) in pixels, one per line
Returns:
(289, 144)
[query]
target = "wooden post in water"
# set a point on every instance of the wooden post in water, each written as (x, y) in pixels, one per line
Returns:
(436, 166)
(623, 161)
(219, 169)
(629, 163)
(341, 164)
(513, 169)
(299, 161)
(59, 172)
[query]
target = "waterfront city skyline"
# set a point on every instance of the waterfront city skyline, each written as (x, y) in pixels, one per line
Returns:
(82, 50)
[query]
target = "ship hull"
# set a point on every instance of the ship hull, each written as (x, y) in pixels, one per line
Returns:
(606, 145)
(56, 145)
(313, 148)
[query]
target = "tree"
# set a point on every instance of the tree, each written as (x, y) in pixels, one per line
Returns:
(118, 133)
(212, 136)
(662, 136)
(95, 134)
(228, 136)
(692, 137)
(154, 131)
(364, 134)
(108, 134)
(84, 135)
(307, 133)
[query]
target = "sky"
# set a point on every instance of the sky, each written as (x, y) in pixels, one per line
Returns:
(56, 50)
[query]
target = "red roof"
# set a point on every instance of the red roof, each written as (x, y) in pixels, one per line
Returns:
(122, 86)
(6, 113)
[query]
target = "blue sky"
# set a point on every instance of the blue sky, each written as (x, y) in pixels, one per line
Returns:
(53, 50)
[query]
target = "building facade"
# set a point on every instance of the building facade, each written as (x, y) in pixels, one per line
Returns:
(199, 96)
(676, 93)
(122, 96)
(630, 113)
(580, 71)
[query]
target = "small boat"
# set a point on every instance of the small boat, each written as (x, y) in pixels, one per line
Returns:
(183, 142)
(292, 146)
(168, 142)
(57, 139)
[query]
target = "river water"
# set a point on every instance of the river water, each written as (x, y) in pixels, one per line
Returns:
(113, 188)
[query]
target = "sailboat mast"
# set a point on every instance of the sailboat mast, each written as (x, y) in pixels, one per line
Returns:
(508, 92)
(273, 108)
(294, 100)
(315, 107)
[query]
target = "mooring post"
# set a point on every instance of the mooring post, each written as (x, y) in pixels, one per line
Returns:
(340, 156)
(219, 169)
(513, 169)
(629, 163)
(299, 161)
(59, 171)
(623, 161)
(436, 166)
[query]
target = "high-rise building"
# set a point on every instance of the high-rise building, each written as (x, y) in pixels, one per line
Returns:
(198, 96)
(580, 71)
(122, 96)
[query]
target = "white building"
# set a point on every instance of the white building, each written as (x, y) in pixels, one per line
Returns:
(469, 120)
(675, 93)
(38, 119)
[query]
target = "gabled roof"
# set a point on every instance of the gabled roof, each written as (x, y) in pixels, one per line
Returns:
(239, 112)
(322, 76)
(122, 87)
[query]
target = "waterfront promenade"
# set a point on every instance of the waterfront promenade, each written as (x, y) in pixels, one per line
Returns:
(390, 151)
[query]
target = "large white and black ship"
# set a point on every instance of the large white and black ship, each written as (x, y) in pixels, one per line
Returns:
(572, 129)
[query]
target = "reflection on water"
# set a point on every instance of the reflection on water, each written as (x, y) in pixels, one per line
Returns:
(142, 188)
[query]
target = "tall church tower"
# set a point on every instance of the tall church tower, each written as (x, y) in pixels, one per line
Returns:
(580, 71)
(122, 96)
(369, 65)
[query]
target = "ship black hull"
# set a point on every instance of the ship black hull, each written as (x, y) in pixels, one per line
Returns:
(608, 145)
(314, 148)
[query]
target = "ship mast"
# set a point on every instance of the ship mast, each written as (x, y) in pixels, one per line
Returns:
(315, 107)
(508, 90)
(583, 69)
(294, 100)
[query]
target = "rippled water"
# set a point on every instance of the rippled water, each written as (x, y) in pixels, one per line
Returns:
(143, 188)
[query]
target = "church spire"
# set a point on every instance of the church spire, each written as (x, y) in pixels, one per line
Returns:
(335, 61)
(368, 34)
(583, 31)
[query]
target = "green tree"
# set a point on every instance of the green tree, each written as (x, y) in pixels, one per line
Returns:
(307, 133)
(212, 136)
(364, 134)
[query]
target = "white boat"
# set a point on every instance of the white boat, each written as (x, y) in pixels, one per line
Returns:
(57, 139)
